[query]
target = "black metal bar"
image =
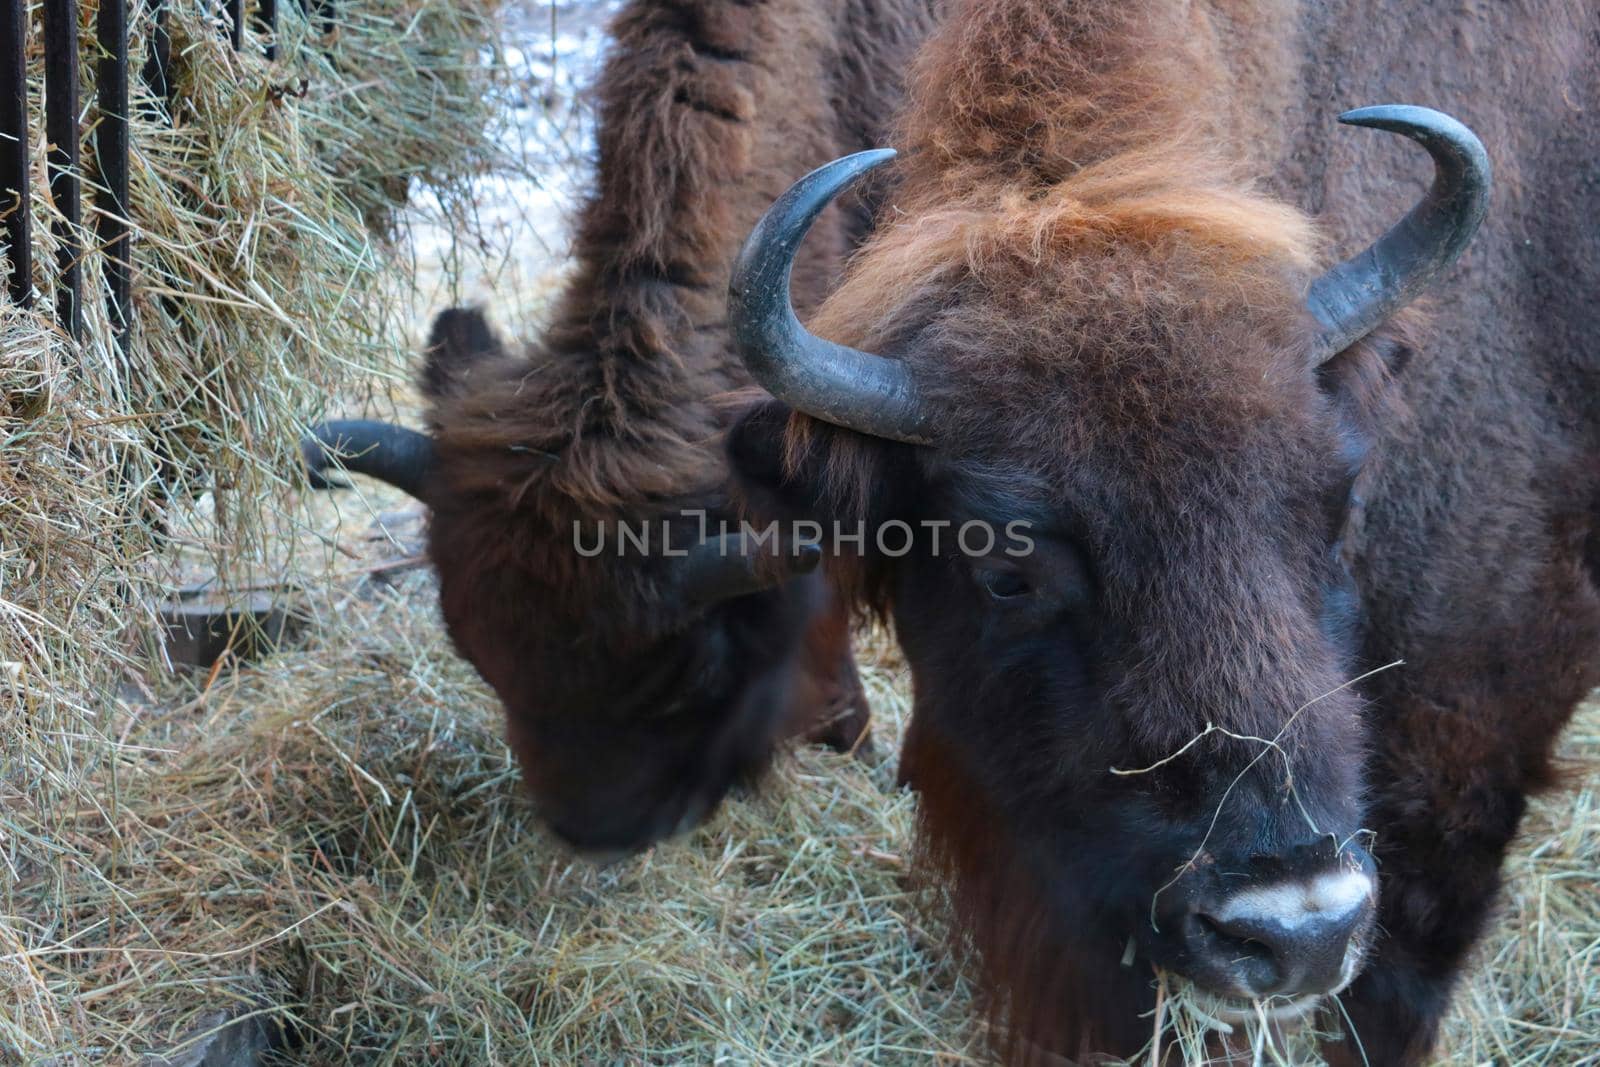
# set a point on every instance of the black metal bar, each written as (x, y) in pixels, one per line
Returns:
(267, 19)
(319, 11)
(157, 72)
(111, 161)
(14, 146)
(61, 130)
(236, 23)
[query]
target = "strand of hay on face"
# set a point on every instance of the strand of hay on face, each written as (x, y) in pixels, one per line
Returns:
(1532, 993)
(1272, 744)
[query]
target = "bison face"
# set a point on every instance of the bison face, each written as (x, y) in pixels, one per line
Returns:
(630, 722)
(1127, 612)
(639, 685)
(1130, 625)
(1146, 696)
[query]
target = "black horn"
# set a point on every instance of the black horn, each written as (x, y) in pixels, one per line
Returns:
(734, 565)
(849, 388)
(1350, 300)
(389, 453)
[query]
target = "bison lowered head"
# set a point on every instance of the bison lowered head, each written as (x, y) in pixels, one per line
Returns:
(1136, 733)
(638, 688)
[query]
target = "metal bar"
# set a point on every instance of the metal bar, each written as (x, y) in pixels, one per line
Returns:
(236, 23)
(61, 130)
(320, 11)
(157, 72)
(267, 19)
(111, 161)
(14, 147)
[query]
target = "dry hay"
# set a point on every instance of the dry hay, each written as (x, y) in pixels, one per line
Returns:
(341, 836)
(338, 839)
(259, 292)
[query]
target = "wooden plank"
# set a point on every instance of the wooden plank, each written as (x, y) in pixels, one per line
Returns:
(14, 147)
(111, 161)
(61, 130)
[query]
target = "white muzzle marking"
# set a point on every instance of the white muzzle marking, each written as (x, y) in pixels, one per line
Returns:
(1325, 898)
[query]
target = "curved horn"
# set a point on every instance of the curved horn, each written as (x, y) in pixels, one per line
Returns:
(856, 390)
(390, 453)
(721, 568)
(1350, 300)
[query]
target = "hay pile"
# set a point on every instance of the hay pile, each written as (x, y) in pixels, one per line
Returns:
(259, 292)
(340, 838)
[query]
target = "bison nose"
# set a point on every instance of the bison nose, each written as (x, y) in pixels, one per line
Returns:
(1286, 938)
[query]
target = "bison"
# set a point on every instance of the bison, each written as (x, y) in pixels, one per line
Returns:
(1314, 573)
(639, 687)
(1316, 570)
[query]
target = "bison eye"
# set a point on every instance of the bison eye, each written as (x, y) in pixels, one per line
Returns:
(1004, 585)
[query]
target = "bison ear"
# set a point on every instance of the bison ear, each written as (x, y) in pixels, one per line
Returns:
(460, 339)
(1363, 380)
(789, 467)
(756, 451)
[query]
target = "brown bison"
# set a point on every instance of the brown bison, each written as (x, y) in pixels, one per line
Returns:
(1313, 579)
(1313, 585)
(639, 686)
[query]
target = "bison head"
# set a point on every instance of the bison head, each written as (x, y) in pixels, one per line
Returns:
(640, 681)
(1119, 447)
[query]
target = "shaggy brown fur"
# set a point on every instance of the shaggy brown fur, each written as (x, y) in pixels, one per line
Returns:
(1084, 268)
(1479, 554)
(630, 712)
